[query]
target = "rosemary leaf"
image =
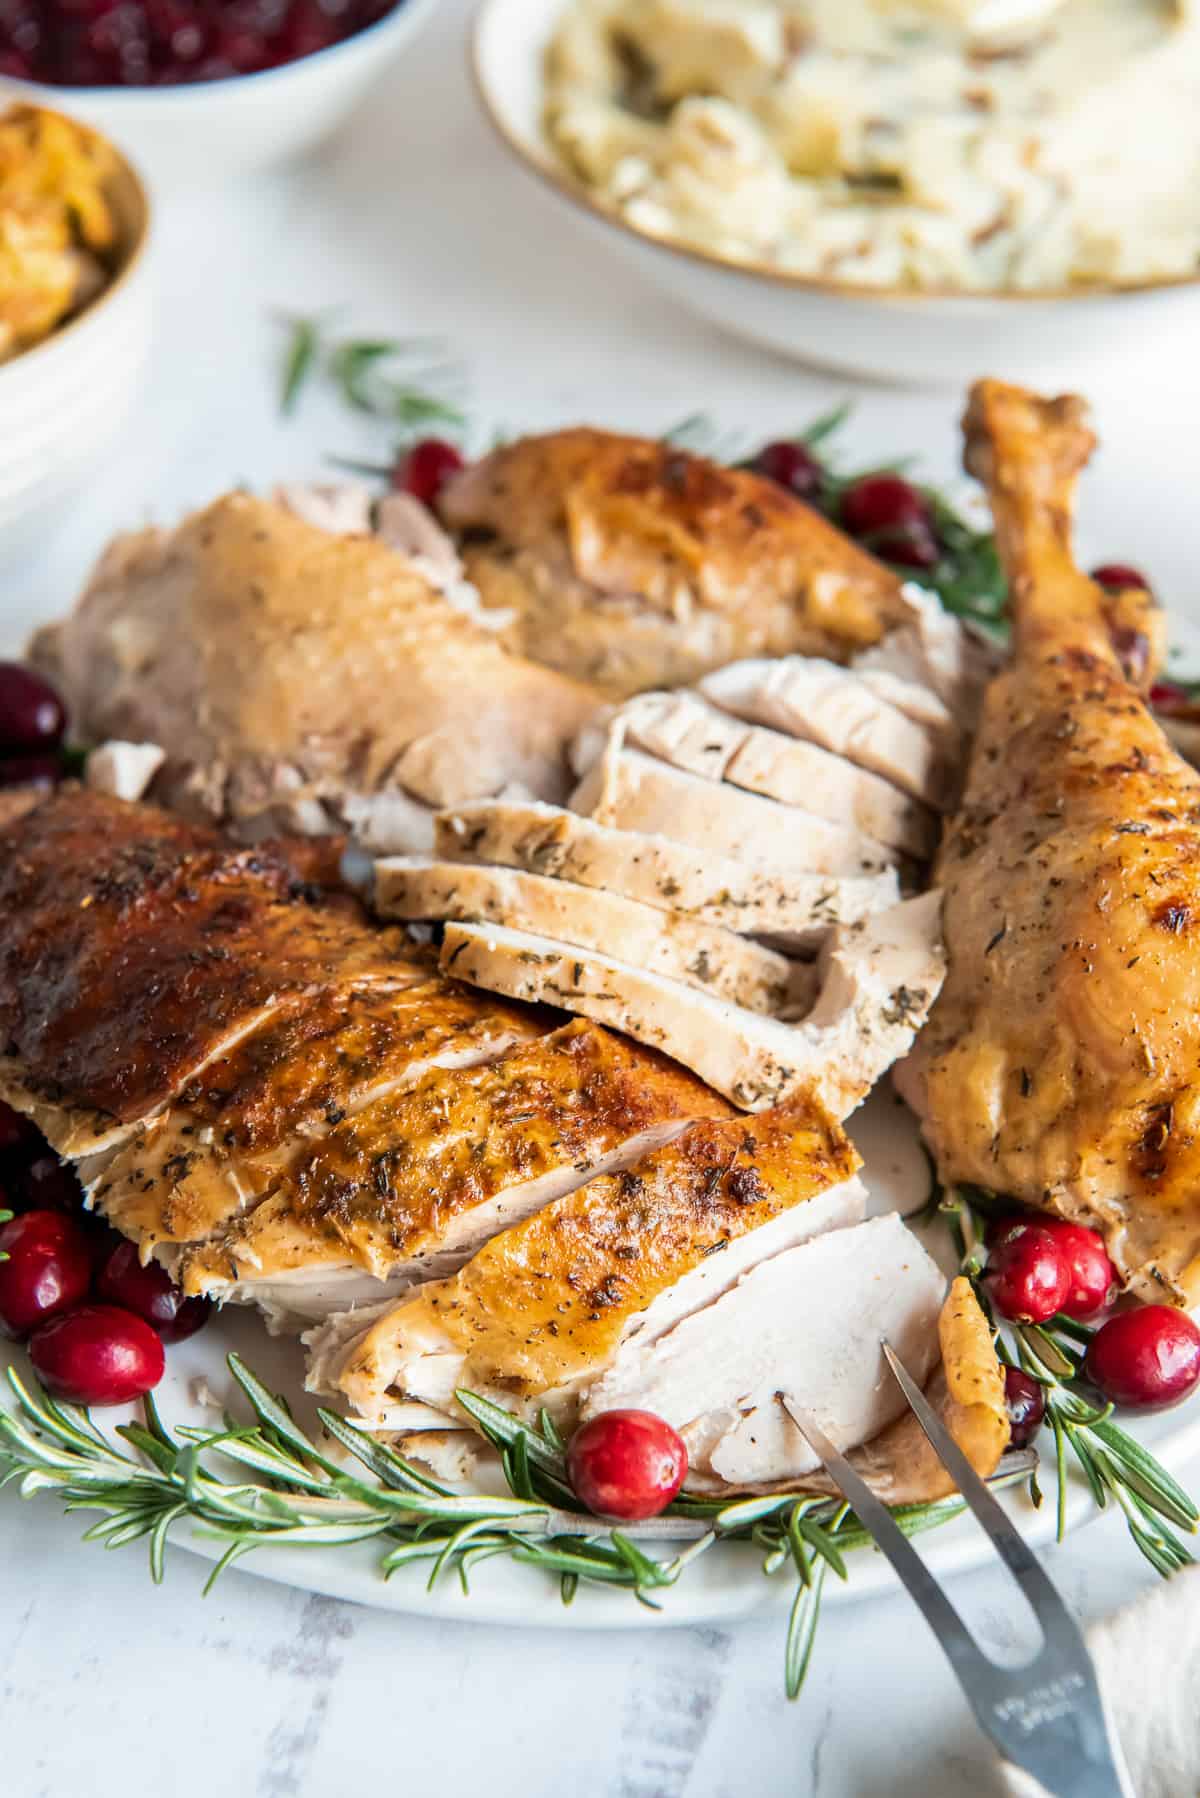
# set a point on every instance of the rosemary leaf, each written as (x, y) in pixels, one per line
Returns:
(299, 361)
(802, 1632)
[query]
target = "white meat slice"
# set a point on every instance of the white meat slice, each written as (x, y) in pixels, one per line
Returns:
(935, 649)
(796, 911)
(632, 791)
(701, 955)
(684, 730)
(430, 1369)
(877, 982)
(123, 769)
(808, 1322)
(837, 709)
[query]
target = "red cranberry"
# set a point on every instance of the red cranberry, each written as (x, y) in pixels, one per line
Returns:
(1145, 1359)
(47, 1185)
(98, 1355)
(892, 518)
(627, 1464)
(32, 716)
(426, 468)
(1167, 696)
(1025, 1402)
(792, 465)
(16, 1132)
(41, 771)
(49, 1268)
(1093, 1277)
(149, 1291)
(1117, 577)
(1027, 1276)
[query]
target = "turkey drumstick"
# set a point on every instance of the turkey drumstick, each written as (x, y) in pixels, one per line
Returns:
(1061, 1064)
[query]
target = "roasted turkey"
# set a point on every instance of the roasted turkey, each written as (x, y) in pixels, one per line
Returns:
(630, 563)
(1061, 1064)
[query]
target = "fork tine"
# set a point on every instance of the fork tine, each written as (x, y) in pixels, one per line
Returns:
(875, 1517)
(1057, 1623)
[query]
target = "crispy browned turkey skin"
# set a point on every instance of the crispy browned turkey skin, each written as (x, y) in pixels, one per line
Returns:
(630, 563)
(1061, 1064)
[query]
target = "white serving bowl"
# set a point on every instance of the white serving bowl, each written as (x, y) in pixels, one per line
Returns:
(892, 334)
(64, 401)
(212, 129)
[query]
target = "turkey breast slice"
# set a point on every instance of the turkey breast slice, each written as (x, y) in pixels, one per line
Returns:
(635, 792)
(226, 1140)
(701, 955)
(546, 1303)
(807, 1321)
(838, 709)
(413, 1183)
(795, 910)
(934, 649)
(683, 729)
(877, 981)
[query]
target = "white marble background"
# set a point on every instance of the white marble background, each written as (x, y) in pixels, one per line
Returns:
(415, 222)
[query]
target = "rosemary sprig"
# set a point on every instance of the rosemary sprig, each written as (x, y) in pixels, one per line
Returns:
(406, 383)
(1116, 1468)
(145, 1479)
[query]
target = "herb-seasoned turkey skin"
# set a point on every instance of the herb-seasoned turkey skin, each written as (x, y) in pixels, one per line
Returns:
(631, 563)
(134, 947)
(1061, 1063)
(546, 1302)
(433, 1170)
(232, 1129)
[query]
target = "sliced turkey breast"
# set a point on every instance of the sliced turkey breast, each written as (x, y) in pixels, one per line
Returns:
(635, 564)
(701, 955)
(842, 712)
(134, 948)
(684, 730)
(795, 910)
(807, 1322)
(414, 1182)
(934, 649)
(878, 980)
(632, 791)
(544, 1306)
(225, 1140)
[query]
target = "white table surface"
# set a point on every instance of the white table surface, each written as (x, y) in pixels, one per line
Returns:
(413, 223)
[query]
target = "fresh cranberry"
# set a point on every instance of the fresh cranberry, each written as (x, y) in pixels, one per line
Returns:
(49, 1268)
(1145, 1359)
(32, 716)
(1025, 1402)
(1166, 696)
(1028, 1276)
(892, 518)
(149, 1290)
(426, 468)
(1118, 577)
(47, 1185)
(627, 1464)
(41, 771)
(98, 1355)
(792, 465)
(17, 1133)
(1092, 1275)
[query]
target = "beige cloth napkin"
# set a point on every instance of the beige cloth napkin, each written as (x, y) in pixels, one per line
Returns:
(1148, 1660)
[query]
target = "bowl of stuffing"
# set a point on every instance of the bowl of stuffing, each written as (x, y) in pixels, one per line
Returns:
(908, 192)
(200, 89)
(74, 306)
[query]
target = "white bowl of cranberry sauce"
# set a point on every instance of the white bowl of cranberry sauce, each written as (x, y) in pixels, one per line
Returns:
(201, 89)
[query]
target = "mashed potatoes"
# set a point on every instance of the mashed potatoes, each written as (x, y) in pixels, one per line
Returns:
(927, 143)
